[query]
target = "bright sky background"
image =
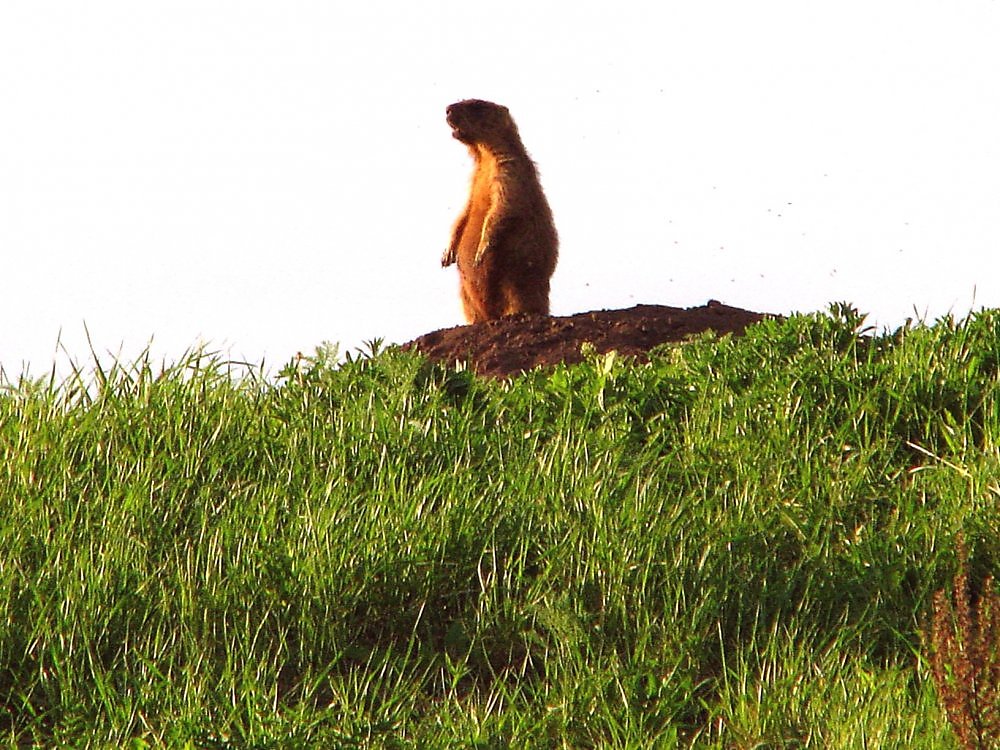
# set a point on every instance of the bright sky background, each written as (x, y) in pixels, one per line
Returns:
(266, 176)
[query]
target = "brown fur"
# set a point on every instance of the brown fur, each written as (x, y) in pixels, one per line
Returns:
(504, 241)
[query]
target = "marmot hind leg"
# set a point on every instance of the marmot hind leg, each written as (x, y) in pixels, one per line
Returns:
(472, 307)
(527, 298)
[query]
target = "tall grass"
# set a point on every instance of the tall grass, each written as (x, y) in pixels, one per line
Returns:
(736, 545)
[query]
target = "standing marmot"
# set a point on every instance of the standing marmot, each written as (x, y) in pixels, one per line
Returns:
(504, 241)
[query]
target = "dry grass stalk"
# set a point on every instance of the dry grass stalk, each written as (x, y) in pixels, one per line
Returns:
(965, 635)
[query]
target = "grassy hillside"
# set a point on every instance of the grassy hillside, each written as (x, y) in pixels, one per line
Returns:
(736, 545)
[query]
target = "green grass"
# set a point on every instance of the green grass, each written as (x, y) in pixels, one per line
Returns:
(734, 546)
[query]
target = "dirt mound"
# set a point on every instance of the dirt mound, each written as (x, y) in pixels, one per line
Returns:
(517, 343)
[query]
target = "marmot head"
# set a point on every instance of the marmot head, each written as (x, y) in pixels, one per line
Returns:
(477, 121)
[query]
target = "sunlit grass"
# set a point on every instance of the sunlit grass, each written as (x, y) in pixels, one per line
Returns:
(735, 545)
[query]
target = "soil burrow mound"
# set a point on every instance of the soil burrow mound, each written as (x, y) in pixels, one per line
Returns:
(511, 345)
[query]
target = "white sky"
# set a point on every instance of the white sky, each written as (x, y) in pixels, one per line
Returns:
(265, 176)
